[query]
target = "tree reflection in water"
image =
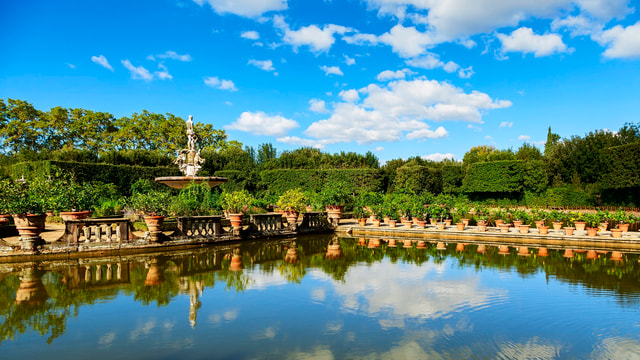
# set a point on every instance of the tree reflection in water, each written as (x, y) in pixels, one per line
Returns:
(42, 296)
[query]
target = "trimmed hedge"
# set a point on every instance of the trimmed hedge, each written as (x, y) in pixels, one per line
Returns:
(419, 178)
(507, 176)
(123, 176)
(452, 176)
(360, 180)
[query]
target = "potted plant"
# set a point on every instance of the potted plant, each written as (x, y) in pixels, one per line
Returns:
(604, 216)
(235, 204)
(361, 215)
(481, 213)
(74, 200)
(622, 220)
(557, 219)
(592, 221)
(498, 216)
(578, 221)
(418, 213)
(292, 202)
(153, 205)
(334, 196)
(569, 229)
(28, 202)
(4, 193)
(462, 210)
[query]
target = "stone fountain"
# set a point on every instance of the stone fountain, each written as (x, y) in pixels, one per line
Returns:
(189, 162)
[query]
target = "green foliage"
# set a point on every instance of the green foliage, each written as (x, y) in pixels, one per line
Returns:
(195, 200)
(35, 196)
(513, 176)
(292, 200)
(153, 202)
(356, 180)
(452, 176)
(236, 202)
(237, 180)
(622, 167)
(336, 193)
(418, 178)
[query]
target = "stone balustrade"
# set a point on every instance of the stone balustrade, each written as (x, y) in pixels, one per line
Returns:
(96, 231)
(266, 223)
(200, 226)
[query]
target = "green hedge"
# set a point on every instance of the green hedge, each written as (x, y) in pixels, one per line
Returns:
(123, 176)
(238, 180)
(452, 176)
(359, 180)
(507, 176)
(623, 169)
(419, 178)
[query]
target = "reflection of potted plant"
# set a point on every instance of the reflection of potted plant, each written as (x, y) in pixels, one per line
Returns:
(292, 202)
(153, 205)
(235, 203)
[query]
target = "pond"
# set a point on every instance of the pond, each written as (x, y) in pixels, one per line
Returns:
(301, 298)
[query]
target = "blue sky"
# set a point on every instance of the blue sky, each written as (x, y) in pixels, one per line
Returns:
(400, 78)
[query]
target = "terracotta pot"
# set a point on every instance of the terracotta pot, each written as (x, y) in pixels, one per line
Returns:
(362, 221)
(374, 243)
(74, 215)
(391, 243)
(504, 228)
(308, 209)
(447, 221)
(460, 226)
(292, 216)
(517, 223)
(539, 223)
(433, 221)
(524, 229)
(236, 220)
(441, 225)
(603, 226)
(623, 227)
(29, 225)
(568, 253)
(407, 244)
(441, 246)
(482, 248)
(154, 223)
(376, 222)
(459, 247)
(465, 222)
(499, 222)
(591, 255)
(616, 233)
(392, 223)
(580, 225)
(482, 227)
(4, 219)
(421, 244)
(543, 230)
(592, 231)
(557, 225)
(568, 230)
(334, 211)
(421, 224)
(543, 251)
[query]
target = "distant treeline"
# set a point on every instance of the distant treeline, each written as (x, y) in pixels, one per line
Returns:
(602, 167)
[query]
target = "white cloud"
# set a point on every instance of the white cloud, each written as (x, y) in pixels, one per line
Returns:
(163, 73)
(361, 39)
(577, 25)
(524, 137)
(606, 9)
(266, 65)
(214, 82)
(425, 133)
(466, 72)
(102, 61)
(437, 157)
(378, 149)
(294, 140)
(137, 72)
(506, 124)
(317, 105)
(525, 41)
(621, 42)
(318, 40)
(246, 8)
(389, 112)
(349, 61)
(350, 95)
(259, 123)
(331, 70)
(407, 41)
(174, 56)
(71, 66)
(393, 75)
(251, 35)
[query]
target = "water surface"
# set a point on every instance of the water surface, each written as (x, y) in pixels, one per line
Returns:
(364, 301)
